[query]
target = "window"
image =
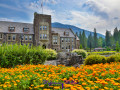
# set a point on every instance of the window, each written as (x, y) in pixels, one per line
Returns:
(72, 40)
(13, 37)
(9, 37)
(72, 47)
(62, 47)
(68, 39)
(55, 39)
(45, 27)
(69, 46)
(30, 37)
(40, 27)
(45, 36)
(22, 37)
(62, 40)
(30, 44)
(40, 36)
(25, 29)
(26, 37)
(67, 33)
(11, 29)
(1, 36)
(66, 47)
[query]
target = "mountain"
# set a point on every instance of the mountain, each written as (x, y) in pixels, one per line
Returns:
(75, 29)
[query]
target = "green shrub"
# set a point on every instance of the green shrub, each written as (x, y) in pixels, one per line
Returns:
(52, 54)
(12, 55)
(95, 59)
(80, 52)
(113, 58)
(102, 53)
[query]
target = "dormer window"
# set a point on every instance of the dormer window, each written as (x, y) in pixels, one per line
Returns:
(66, 33)
(25, 29)
(11, 29)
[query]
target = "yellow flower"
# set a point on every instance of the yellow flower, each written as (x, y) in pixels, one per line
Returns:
(84, 84)
(41, 86)
(15, 84)
(106, 88)
(46, 89)
(57, 87)
(32, 85)
(4, 86)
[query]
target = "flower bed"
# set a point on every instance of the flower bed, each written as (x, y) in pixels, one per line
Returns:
(94, 77)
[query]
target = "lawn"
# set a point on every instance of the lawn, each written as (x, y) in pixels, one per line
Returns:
(49, 77)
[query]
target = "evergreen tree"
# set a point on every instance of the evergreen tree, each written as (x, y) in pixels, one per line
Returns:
(81, 46)
(117, 46)
(119, 36)
(84, 40)
(100, 42)
(80, 37)
(107, 38)
(89, 41)
(95, 38)
(77, 34)
(116, 35)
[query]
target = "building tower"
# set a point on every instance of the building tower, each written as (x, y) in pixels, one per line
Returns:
(42, 30)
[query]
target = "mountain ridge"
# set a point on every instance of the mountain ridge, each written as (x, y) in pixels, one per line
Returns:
(75, 29)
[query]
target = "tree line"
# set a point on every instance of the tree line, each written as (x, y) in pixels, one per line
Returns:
(93, 41)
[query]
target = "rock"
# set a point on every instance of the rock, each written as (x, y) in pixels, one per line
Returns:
(76, 65)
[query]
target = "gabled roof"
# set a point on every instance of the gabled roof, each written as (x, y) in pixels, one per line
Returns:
(61, 31)
(18, 27)
(74, 34)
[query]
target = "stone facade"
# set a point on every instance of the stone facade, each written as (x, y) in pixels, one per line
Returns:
(39, 33)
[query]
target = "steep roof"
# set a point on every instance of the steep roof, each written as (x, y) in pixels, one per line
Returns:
(61, 31)
(18, 27)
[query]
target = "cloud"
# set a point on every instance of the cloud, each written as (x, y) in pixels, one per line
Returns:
(100, 14)
(11, 7)
(116, 18)
(97, 8)
(5, 19)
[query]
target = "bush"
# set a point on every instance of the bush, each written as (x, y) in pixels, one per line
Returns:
(102, 53)
(113, 58)
(80, 52)
(52, 54)
(95, 59)
(12, 55)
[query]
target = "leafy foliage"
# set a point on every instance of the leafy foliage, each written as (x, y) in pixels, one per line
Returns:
(12, 55)
(102, 53)
(114, 58)
(95, 59)
(52, 54)
(80, 52)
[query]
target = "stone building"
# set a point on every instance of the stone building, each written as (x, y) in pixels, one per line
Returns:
(39, 33)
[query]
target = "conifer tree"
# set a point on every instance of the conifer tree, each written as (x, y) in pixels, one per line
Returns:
(95, 38)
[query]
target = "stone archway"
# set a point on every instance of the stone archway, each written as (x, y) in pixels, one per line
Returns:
(44, 46)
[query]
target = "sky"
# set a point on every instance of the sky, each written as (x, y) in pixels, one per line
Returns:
(86, 14)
